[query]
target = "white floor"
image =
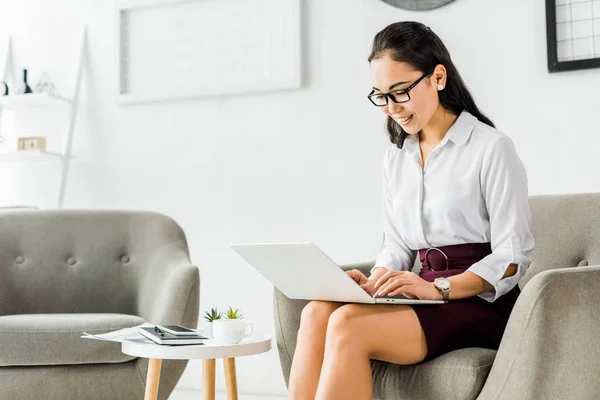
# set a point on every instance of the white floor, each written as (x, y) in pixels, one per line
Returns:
(183, 394)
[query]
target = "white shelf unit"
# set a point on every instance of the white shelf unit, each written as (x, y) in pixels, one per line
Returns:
(32, 100)
(30, 155)
(36, 100)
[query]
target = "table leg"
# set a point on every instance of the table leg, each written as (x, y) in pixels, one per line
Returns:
(153, 379)
(230, 378)
(208, 379)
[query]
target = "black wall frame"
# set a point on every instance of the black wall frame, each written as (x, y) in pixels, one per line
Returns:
(554, 65)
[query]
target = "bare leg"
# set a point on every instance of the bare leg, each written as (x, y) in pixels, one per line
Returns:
(359, 332)
(308, 357)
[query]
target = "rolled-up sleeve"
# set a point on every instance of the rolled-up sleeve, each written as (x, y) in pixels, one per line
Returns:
(394, 253)
(504, 187)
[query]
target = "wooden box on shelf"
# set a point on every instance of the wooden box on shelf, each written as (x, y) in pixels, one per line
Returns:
(32, 143)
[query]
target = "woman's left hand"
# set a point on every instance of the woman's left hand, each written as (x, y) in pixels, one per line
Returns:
(409, 284)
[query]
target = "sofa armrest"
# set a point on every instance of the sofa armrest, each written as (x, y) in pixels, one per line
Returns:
(550, 348)
(171, 297)
(287, 314)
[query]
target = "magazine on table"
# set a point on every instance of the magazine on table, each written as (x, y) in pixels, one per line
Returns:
(136, 335)
(161, 336)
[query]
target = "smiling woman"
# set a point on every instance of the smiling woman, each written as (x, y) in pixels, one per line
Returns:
(398, 56)
(455, 193)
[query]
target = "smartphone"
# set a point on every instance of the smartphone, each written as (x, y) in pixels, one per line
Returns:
(178, 330)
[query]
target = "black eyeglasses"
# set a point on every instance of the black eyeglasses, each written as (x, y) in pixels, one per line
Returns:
(397, 96)
(159, 331)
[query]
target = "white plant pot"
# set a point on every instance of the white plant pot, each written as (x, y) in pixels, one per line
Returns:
(207, 330)
(231, 331)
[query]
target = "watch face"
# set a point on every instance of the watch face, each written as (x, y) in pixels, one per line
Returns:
(442, 283)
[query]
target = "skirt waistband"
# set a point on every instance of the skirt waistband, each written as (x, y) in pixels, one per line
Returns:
(460, 256)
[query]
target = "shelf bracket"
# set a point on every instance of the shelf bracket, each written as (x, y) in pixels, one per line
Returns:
(72, 121)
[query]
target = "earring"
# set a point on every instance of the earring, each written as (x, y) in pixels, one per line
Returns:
(440, 87)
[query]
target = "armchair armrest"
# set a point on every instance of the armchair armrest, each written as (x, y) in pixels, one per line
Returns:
(178, 302)
(169, 292)
(364, 267)
(550, 348)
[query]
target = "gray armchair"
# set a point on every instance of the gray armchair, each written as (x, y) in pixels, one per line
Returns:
(551, 346)
(64, 272)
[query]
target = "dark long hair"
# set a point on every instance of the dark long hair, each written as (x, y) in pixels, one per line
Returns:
(416, 44)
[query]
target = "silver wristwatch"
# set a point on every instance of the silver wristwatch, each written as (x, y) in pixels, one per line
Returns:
(443, 285)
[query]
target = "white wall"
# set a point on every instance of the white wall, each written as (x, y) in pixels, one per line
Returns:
(300, 165)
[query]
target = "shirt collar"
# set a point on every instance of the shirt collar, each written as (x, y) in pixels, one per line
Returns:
(461, 130)
(458, 133)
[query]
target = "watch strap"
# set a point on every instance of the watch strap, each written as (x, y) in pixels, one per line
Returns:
(446, 294)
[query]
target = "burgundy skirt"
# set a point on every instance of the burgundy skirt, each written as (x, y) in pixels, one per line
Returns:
(461, 323)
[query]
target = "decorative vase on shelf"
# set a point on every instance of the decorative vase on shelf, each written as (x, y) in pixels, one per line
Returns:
(25, 88)
(45, 85)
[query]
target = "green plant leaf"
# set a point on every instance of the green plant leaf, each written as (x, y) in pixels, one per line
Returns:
(233, 313)
(212, 315)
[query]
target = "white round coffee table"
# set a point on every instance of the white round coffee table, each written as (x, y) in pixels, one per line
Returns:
(209, 351)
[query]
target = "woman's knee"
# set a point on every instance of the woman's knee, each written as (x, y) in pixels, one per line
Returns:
(317, 313)
(344, 323)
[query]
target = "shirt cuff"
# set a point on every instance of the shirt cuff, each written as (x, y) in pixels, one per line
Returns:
(384, 259)
(494, 277)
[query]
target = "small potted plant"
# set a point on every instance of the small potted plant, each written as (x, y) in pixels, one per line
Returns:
(211, 316)
(231, 313)
(231, 329)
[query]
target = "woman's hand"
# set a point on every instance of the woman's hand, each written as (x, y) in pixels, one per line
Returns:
(364, 282)
(409, 284)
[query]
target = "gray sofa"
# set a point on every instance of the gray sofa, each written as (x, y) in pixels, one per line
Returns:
(551, 346)
(64, 272)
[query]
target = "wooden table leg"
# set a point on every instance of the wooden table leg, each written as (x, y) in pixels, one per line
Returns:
(153, 379)
(230, 378)
(208, 379)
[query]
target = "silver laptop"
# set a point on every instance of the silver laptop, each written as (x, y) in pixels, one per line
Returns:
(303, 271)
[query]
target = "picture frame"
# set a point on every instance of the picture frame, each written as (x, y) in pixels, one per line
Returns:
(570, 42)
(173, 50)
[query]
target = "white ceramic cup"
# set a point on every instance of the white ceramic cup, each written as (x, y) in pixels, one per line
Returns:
(231, 331)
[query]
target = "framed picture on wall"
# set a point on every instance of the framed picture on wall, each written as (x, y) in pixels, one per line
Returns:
(573, 34)
(170, 50)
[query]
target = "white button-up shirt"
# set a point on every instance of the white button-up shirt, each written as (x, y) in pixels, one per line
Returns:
(473, 189)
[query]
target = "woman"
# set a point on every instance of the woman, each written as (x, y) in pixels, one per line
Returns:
(455, 191)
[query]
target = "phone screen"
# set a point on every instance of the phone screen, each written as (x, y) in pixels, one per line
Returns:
(177, 328)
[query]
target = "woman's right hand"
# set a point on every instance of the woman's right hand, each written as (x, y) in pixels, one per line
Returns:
(365, 283)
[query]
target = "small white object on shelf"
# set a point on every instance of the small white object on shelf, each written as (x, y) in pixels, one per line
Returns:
(32, 100)
(30, 155)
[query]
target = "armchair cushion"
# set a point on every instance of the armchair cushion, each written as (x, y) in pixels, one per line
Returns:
(54, 339)
(457, 375)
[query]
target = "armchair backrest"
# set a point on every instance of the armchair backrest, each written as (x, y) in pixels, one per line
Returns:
(81, 261)
(566, 230)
